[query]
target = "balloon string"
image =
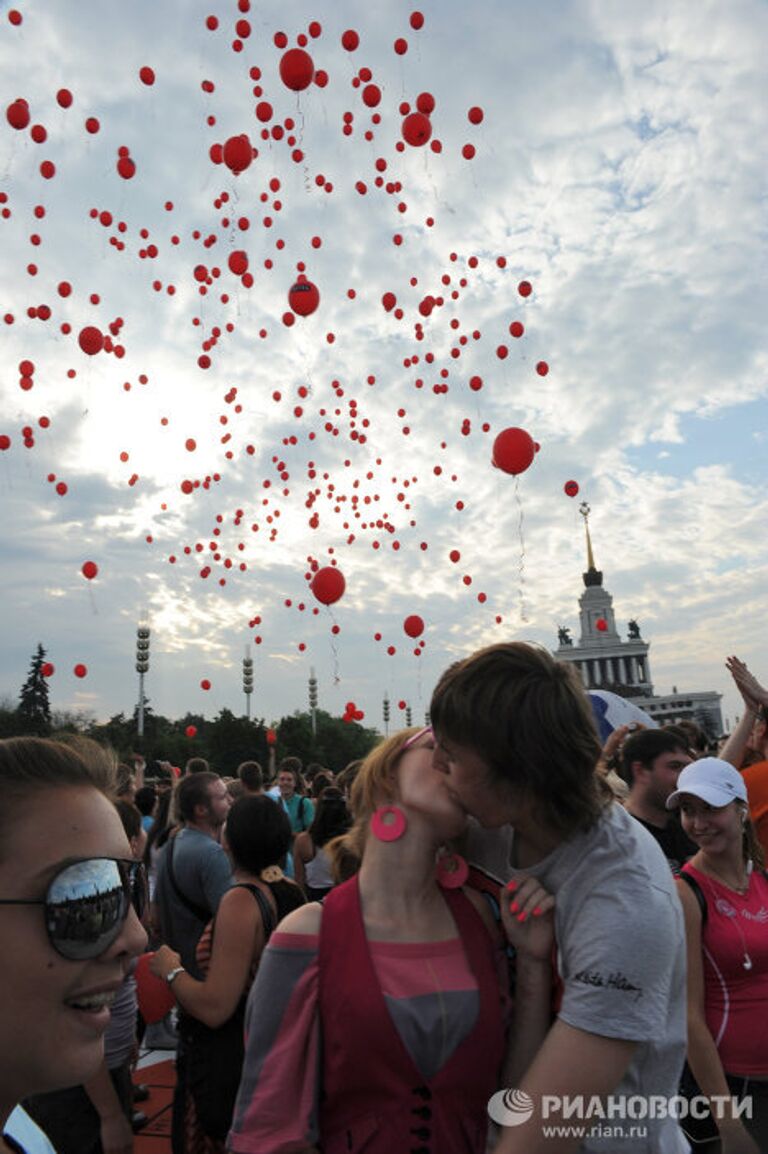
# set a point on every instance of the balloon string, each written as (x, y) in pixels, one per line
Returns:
(334, 651)
(521, 561)
(93, 601)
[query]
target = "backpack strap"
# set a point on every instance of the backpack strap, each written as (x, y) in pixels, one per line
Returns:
(698, 891)
(202, 914)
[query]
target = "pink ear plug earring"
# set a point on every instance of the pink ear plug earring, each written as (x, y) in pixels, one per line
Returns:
(451, 870)
(388, 823)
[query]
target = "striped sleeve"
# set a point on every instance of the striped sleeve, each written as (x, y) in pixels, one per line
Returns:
(276, 1109)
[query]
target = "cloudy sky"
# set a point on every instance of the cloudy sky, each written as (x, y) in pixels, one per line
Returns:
(619, 168)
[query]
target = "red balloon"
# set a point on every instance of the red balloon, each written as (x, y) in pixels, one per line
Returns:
(91, 340)
(237, 153)
(296, 69)
(601, 624)
(371, 95)
(475, 115)
(238, 262)
(154, 995)
(304, 297)
(513, 451)
(205, 684)
(147, 75)
(350, 40)
(413, 625)
(47, 669)
(271, 737)
(64, 98)
(571, 488)
(525, 288)
(191, 731)
(542, 368)
(89, 570)
(17, 114)
(416, 129)
(126, 167)
(80, 670)
(328, 585)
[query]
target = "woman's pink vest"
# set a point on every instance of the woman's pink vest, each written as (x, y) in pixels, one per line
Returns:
(374, 1097)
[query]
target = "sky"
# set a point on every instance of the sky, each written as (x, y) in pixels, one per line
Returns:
(615, 165)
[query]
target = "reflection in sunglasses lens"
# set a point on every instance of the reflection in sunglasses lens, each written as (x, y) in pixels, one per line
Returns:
(86, 907)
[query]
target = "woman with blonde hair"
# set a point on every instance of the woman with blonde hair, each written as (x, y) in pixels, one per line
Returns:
(376, 1021)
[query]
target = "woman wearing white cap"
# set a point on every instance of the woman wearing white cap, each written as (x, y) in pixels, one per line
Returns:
(724, 893)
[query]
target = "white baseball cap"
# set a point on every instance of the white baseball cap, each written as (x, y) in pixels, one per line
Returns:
(713, 780)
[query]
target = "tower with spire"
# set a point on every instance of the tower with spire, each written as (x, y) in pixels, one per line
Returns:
(605, 660)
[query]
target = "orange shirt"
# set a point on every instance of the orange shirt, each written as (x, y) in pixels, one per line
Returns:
(756, 779)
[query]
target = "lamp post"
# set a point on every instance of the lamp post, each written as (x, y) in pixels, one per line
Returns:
(313, 701)
(385, 712)
(142, 666)
(408, 716)
(247, 681)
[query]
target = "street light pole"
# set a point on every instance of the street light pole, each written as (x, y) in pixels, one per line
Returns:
(142, 666)
(247, 681)
(313, 701)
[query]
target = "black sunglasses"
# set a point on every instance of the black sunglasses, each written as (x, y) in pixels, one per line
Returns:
(87, 903)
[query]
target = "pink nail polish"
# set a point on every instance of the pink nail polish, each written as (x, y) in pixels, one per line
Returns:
(514, 907)
(537, 911)
(521, 917)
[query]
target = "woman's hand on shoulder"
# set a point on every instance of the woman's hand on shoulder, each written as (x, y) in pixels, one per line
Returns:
(528, 918)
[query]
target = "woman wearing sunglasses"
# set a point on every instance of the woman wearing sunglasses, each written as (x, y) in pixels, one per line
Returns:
(376, 1021)
(70, 902)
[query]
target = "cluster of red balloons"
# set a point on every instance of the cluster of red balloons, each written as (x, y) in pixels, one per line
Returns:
(352, 713)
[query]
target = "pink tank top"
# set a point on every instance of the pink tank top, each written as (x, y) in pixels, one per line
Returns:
(736, 993)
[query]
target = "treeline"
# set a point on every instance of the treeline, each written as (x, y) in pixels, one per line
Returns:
(224, 741)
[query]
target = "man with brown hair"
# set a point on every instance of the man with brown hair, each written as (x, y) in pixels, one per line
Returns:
(517, 743)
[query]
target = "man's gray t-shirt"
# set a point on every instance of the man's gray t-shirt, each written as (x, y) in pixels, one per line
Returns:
(620, 953)
(203, 874)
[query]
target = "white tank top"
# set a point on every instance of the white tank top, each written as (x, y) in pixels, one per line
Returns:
(318, 871)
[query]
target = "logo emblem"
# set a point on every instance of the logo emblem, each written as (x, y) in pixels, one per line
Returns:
(510, 1107)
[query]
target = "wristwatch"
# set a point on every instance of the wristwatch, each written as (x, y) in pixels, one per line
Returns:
(171, 976)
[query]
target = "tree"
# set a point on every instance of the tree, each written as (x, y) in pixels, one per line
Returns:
(34, 709)
(336, 744)
(232, 739)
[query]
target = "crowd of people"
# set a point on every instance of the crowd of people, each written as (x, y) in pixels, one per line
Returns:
(438, 950)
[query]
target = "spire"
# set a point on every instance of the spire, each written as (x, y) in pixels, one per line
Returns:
(592, 576)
